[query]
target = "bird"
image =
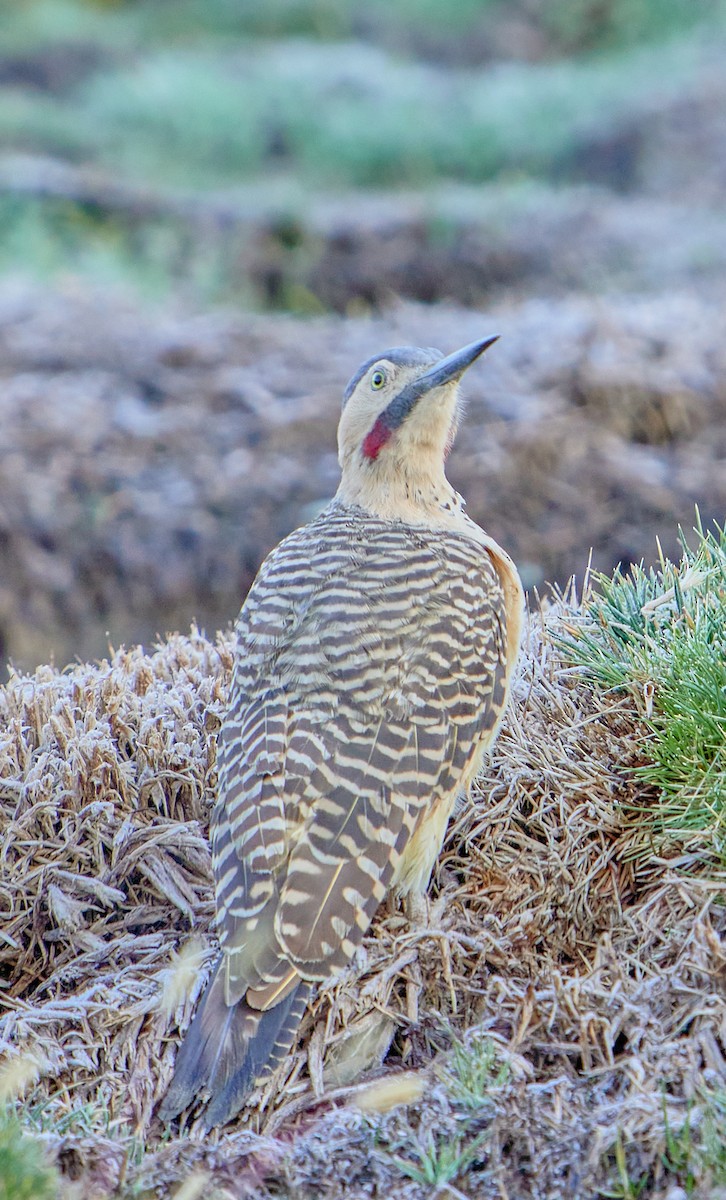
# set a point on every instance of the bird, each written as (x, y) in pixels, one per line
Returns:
(373, 662)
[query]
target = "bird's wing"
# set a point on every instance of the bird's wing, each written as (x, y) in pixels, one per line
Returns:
(367, 669)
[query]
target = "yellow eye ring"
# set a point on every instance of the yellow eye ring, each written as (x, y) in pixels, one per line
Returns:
(377, 380)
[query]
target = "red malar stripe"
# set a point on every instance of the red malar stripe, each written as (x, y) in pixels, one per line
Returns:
(374, 441)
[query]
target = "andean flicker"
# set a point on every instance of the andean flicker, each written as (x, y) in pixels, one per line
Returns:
(373, 663)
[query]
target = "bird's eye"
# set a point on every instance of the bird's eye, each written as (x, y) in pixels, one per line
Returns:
(377, 379)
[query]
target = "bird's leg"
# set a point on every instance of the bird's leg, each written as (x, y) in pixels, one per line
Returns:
(417, 907)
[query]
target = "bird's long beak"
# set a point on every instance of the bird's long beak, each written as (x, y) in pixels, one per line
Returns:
(447, 370)
(453, 366)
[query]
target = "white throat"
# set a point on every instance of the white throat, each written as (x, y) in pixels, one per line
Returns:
(396, 490)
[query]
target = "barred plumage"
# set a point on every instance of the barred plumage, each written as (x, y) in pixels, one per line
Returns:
(374, 654)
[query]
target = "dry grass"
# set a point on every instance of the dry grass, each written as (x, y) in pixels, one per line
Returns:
(558, 1017)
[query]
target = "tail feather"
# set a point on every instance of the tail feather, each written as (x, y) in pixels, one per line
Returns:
(272, 1040)
(227, 1048)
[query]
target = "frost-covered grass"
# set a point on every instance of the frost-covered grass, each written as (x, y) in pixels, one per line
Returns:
(552, 971)
(298, 117)
(339, 114)
(563, 24)
(201, 96)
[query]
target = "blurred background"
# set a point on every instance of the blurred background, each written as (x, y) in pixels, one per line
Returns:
(212, 210)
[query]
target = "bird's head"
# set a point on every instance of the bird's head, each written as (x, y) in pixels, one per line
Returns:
(400, 413)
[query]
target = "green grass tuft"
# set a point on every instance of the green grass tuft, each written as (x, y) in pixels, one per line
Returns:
(713, 1141)
(24, 1171)
(661, 636)
(693, 1158)
(474, 1069)
(438, 1159)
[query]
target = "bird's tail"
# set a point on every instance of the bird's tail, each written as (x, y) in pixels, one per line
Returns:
(228, 1047)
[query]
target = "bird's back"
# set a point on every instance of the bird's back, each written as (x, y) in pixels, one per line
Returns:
(371, 661)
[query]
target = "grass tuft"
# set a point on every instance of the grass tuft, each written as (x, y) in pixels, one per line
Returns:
(660, 635)
(438, 1159)
(474, 1070)
(625, 1185)
(713, 1145)
(24, 1171)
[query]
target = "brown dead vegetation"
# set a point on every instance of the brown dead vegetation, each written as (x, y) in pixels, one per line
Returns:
(598, 979)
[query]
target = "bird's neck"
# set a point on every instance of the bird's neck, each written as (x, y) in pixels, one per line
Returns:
(403, 491)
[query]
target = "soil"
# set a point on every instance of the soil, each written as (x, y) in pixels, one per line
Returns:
(150, 460)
